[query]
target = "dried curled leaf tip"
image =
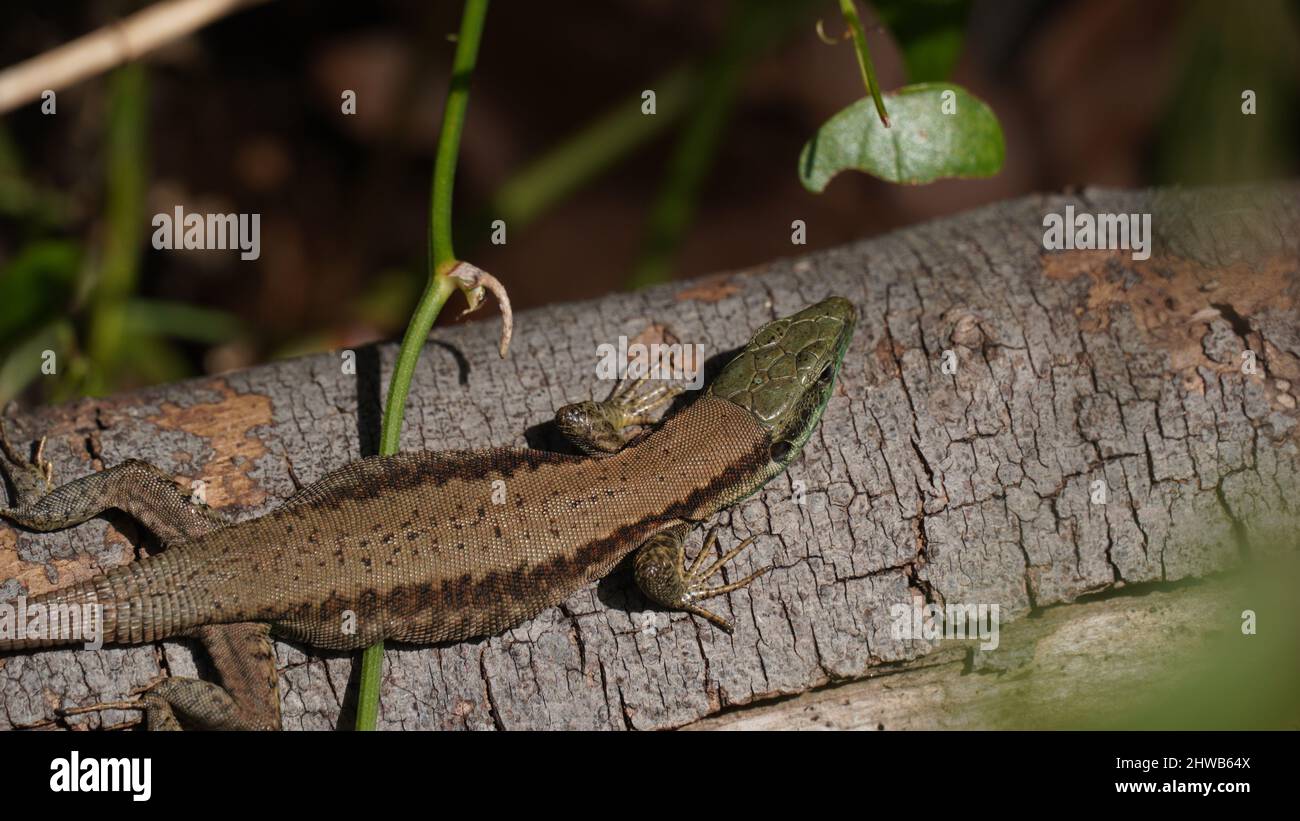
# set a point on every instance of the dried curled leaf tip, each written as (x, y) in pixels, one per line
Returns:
(826, 38)
(472, 282)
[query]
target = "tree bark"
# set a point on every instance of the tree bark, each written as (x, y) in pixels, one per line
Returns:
(1080, 376)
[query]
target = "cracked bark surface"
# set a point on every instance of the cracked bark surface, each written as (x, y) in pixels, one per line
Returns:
(1073, 368)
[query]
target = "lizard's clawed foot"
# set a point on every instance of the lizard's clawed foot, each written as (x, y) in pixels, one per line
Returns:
(662, 574)
(630, 398)
(32, 477)
(133, 704)
(158, 713)
(139, 702)
(597, 427)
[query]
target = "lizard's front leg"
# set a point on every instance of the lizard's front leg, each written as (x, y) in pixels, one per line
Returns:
(665, 578)
(601, 427)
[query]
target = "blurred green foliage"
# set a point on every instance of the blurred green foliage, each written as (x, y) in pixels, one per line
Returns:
(1215, 671)
(70, 274)
(71, 321)
(25, 201)
(1237, 680)
(72, 286)
(930, 34)
(753, 26)
(1206, 138)
(37, 284)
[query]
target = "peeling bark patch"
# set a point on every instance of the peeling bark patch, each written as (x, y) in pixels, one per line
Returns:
(888, 355)
(709, 289)
(34, 577)
(1176, 302)
(655, 333)
(227, 425)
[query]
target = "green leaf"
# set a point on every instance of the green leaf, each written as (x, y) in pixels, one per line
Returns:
(924, 144)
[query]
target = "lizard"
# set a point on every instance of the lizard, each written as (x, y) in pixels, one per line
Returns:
(414, 547)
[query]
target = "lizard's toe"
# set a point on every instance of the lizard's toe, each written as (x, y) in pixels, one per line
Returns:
(31, 477)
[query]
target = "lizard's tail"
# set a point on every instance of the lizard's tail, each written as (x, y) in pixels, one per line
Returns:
(133, 604)
(70, 615)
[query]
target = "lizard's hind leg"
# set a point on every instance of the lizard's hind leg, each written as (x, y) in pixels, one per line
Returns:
(248, 697)
(241, 653)
(135, 487)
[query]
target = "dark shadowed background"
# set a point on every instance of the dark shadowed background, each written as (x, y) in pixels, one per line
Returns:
(245, 116)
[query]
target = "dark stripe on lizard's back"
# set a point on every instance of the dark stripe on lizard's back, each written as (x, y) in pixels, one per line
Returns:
(483, 599)
(501, 598)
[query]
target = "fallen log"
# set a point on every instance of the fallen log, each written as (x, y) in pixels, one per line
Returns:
(1100, 429)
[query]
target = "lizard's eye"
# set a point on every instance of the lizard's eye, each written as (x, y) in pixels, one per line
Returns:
(779, 451)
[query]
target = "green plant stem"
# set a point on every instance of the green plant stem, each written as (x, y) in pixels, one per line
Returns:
(128, 105)
(442, 259)
(864, 58)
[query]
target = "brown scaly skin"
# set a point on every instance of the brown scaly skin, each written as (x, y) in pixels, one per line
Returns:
(433, 547)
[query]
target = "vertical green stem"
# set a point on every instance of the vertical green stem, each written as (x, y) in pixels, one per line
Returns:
(124, 221)
(441, 260)
(864, 57)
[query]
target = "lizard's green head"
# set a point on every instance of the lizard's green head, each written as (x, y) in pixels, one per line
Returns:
(786, 373)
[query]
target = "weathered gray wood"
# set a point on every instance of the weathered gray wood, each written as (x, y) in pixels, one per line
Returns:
(1074, 367)
(1094, 665)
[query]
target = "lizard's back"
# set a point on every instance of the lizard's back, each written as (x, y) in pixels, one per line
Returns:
(429, 547)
